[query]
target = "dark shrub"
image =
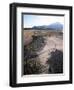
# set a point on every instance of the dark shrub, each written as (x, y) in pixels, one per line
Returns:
(56, 62)
(31, 63)
(32, 66)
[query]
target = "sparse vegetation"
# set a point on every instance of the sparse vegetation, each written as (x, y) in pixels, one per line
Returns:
(56, 62)
(32, 64)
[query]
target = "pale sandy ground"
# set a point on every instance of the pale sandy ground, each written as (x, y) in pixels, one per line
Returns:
(52, 43)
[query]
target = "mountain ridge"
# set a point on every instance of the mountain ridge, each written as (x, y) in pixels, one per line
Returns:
(53, 26)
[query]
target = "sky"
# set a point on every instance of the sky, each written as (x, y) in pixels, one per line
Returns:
(38, 20)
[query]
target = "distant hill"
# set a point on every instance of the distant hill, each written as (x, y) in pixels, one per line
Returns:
(56, 26)
(53, 26)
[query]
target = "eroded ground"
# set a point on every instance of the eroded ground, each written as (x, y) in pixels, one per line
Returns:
(43, 52)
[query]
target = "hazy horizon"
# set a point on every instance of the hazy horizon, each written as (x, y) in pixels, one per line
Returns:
(38, 20)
